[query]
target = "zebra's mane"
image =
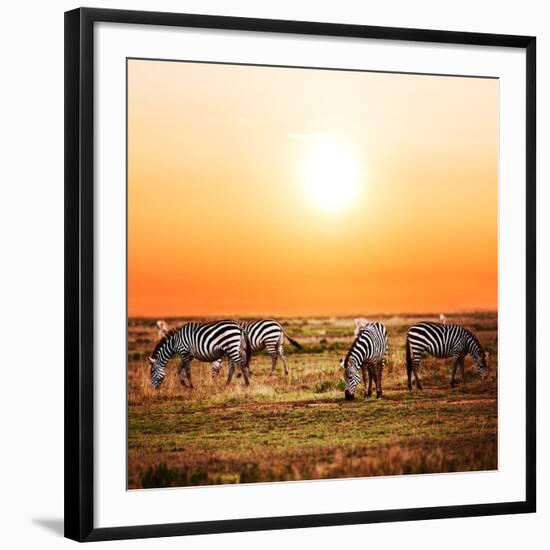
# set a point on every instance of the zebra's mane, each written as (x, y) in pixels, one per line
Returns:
(474, 338)
(348, 354)
(164, 340)
(351, 348)
(363, 329)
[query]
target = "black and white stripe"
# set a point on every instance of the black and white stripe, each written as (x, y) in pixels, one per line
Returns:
(368, 354)
(263, 334)
(442, 340)
(205, 342)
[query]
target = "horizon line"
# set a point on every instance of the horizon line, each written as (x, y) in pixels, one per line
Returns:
(315, 316)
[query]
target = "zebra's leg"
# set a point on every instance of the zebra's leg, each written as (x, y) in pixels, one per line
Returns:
(185, 373)
(281, 351)
(247, 358)
(188, 373)
(274, 362)
(462, 370)
(243, 366)
(217, 367)
(374, 376)
(282, 354)
(364, 374)
(273, 352)
(415, 366)
(379, 368)
(371, 378)
(239, 373)
(409, 376)
(230, 365)
(456, 360)
(230, 370)
(241, 358)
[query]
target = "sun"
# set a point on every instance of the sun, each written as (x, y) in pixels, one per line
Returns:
(330, 175)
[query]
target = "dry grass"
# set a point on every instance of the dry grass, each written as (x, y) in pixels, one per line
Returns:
(299, 427)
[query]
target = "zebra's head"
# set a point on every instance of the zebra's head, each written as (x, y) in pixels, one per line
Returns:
(479, 355)
(157, 372)
(481, 360)
(351, 376)
(160, 357)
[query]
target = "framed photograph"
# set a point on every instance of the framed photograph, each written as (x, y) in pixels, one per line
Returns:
(300, 274)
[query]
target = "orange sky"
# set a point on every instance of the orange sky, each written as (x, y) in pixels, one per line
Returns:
(220, 221)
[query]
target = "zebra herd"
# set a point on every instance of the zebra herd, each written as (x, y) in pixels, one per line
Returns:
(237, 340)
(212, 342)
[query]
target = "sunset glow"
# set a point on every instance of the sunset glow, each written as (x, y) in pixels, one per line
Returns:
(277, 191)
(330, 175)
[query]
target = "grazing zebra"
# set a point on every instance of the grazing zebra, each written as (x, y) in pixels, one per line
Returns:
(368, 353)
(163, 329)
(202, 341)
(360, 324)
(443, 341)
(264, 334)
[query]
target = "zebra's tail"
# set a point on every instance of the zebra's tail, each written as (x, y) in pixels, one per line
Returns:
(248, 354)
(293, 342)
(409, 358)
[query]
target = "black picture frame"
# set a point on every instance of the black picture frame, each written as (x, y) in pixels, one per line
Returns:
(79, 272)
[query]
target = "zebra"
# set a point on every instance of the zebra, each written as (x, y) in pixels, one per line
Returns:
(265, 333)
(441, 341)
(202, 341)
(360, 324)
(368, 353)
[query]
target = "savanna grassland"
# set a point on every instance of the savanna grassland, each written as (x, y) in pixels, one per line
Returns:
(284, 428)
